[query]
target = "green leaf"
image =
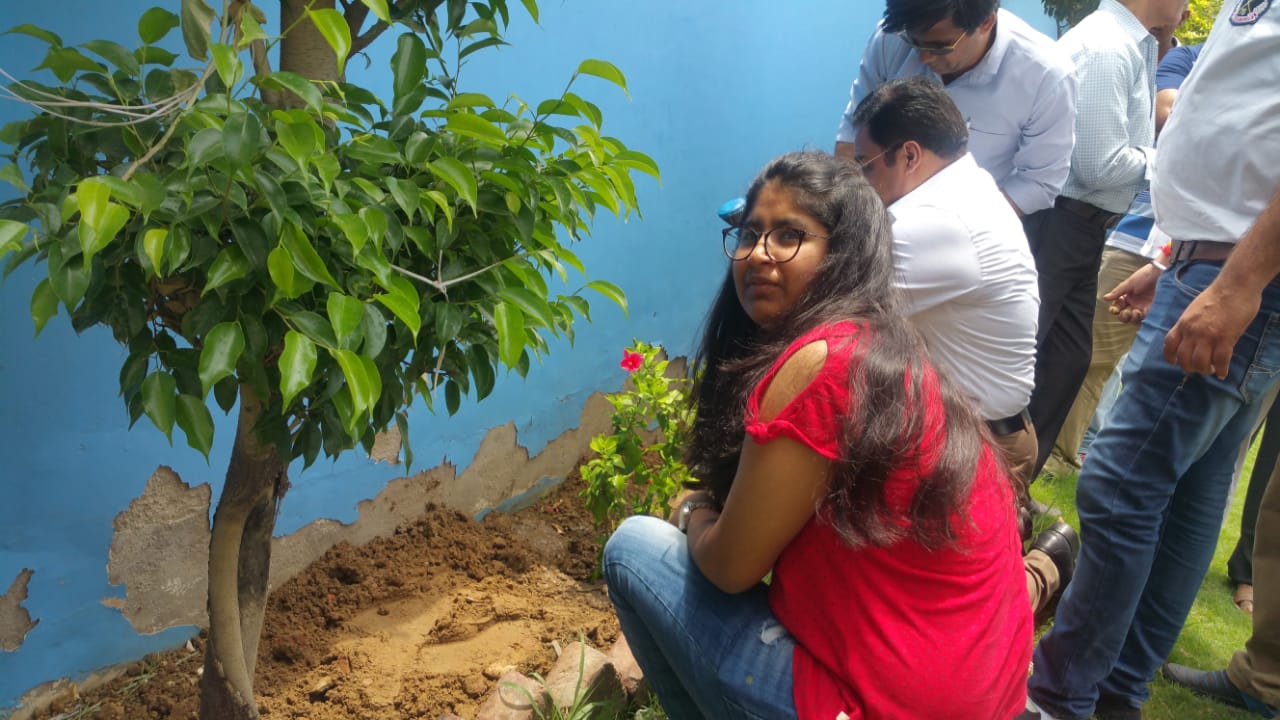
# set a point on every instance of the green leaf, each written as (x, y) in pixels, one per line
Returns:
(458, 176)
(469, 100)
(637, 161)
(611, 291)
(284, 275)
(362, 379)
(477, 127)
(345, 315)
(250, 30)
(452, 397)
(374, 328)
(405, 193)
(231, 264)
(94, 236)
(408, 64)
(481, 369)
(297, 364)
(314, 327)
(114, 53)
(305, 258)
(44, 304)
(36, 32)
(92, 196)
(158, 392)
(294, 83)
(531, 6)
(12, 175)
(197, 17)
(299, 140)
(155, 24)
(402, 424)
(353, 228)
(11, 234)
(70, 279)
(222, 348)
(531, 304)
(605, 71)
(66, 62)
(228, 64)
(196, 423)
(242, 138)
(379, 9)
(404, 307)
(335, 31)
(509, 323)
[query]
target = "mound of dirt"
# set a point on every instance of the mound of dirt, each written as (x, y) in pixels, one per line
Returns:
(409, 626)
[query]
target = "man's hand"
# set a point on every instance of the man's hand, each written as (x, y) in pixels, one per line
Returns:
(1203, 338)
(1131, 299)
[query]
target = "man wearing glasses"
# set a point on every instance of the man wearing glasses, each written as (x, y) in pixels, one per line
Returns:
(1014, 88)
(968, 277)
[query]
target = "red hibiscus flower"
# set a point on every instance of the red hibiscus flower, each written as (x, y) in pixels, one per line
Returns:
(631, 361)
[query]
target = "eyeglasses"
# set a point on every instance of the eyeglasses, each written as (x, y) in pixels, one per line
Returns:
(931, 49)
(862, 164)
(781, 244)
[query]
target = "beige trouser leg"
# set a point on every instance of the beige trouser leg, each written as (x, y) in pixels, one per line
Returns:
(1111, 340)
(1256, 669)
(1042, 578)
(1019, 452)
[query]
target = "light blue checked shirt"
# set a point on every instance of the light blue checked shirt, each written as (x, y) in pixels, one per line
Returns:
(1115, 59)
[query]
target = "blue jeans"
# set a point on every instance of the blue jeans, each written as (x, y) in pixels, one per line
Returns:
(1150, 500)
(706, 654)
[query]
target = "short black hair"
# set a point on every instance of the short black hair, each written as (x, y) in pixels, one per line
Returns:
(920, 15)
(914, 108)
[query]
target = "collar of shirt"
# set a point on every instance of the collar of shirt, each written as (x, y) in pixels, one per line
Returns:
(1127, 21)
(989, 66)
(937, 185)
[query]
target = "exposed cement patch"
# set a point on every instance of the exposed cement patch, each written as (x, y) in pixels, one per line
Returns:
(160, 552)
(15, 621)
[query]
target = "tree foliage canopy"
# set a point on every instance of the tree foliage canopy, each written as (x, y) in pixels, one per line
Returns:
(335, 252)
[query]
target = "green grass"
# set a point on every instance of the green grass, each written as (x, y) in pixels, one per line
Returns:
(1214, 630)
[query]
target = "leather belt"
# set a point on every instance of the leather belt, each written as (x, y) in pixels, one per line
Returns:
(1211, 250)
(1010, 425)
(1091, 214)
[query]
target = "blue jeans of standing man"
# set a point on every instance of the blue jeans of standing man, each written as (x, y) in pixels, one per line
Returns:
(706, 654)
(1150, 500)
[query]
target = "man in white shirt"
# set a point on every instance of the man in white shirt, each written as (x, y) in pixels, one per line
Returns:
(969, 278)
(1115, 57)
(1151, 495)
(1014, 87)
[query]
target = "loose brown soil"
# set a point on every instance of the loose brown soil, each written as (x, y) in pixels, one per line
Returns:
(410, 626)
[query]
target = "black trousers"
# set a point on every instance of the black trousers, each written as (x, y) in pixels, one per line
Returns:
(1068, 252)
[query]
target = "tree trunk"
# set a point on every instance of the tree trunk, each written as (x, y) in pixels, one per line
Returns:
(239, 561)
(304, 50)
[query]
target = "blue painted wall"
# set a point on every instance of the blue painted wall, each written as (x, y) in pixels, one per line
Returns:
(717, 88)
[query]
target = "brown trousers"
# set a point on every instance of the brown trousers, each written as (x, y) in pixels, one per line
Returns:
(1256, 669)
(1019, 451)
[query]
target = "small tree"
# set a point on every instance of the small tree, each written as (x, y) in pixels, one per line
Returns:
(1068, 12)
(292, 243)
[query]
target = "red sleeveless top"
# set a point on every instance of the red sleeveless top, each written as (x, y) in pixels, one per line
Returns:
(899, 631)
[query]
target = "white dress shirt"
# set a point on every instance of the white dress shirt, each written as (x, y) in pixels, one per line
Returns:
(1220, 151)
(1019, 101)
(1115, 59)
(970, 283)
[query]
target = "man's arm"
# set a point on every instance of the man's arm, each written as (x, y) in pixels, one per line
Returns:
(1105, 158)
(873, 71)
(1043, 158)
(1204, 337)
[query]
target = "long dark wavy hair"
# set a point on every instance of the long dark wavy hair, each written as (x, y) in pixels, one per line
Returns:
(887, 375)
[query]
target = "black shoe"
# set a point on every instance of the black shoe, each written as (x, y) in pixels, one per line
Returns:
(1216, 685)
(1060, 542)
(1114, 707)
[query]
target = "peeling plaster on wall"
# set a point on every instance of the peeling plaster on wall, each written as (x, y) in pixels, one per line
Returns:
(160, 552)
(15, 621)
(386, 446)
(44, 695)
(168, 589)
